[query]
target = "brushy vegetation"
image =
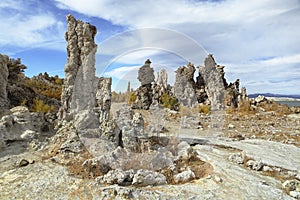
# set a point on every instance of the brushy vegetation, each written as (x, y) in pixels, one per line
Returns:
(244, 108)
(186, 111)
(40, 106)
(276, 107)
(205, 109)
(132, 97)
(167, 101)
(50, 87)
(22, 90)
(119, 97)
(16, 70)
(127, 97)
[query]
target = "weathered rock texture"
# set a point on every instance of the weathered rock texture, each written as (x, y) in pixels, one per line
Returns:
(3, 81)
(146, 73)
(184, 87)
(144, 93)
(160, 87)
(232, 94)
(103, 97)
(21, 125)
(214, 81)
(162, 79)
(79, 90)
(243, 95)
(131, 126)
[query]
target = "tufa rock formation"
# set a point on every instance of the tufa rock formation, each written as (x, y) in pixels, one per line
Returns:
(146, 73)
(3, 81)
(160, 86)
(103, 98)
(79, 89)
(22, 125)
(162, 79)
(213, 77)
(243, 95)
(128, 87)
(210, 87)
(132, 128)
(232, 94)
(144, 93)
(184, 87)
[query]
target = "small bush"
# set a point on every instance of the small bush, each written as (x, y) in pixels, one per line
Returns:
(276, 107)
(132, 98)
(24, 102)
(41, 106)
(204, 109)
(47, 90)
(230, 110)
(167, 101)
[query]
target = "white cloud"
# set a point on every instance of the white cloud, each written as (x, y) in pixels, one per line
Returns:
(26, 26)
(258, 40)
(166, 12)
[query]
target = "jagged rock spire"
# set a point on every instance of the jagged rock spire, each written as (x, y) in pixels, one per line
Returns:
(79, 89)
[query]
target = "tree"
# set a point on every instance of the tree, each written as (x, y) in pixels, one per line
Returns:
(16, 70)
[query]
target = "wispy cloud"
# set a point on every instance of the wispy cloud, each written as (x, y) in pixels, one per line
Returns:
(257, 40)
(238, 33)
(26, 24)
(163, 13)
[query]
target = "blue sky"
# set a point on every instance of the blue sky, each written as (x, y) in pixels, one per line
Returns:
(258, 41)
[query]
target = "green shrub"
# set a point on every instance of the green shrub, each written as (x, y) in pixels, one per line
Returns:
(167, 101)
(132, 98)
(204, 109)
(41, 106)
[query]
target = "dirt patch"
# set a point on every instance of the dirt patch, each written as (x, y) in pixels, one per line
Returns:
(75, 165)
(200, 168)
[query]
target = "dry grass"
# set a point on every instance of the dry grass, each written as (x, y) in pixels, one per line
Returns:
(205, 109)
(187, 111)
(138, 161)
(75, 165)
(245, 108)
(279, 109)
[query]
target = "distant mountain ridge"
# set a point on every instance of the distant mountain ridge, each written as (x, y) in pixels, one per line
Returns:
(295, 96)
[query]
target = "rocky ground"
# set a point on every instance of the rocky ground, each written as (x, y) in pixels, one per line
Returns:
(241, 163)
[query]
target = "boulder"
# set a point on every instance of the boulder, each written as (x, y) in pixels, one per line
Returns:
(20, 124)
(237, 158)
(131, 126)
(146, 177)
(184, 150)
(255, 165)
(260, 99)
(291, 185)
(295, 194)
(117, 176)
(184, 176)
